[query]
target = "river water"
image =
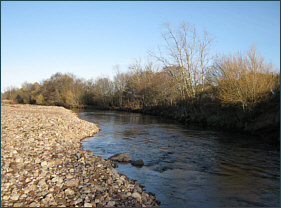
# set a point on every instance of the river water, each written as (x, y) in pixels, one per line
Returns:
(189, 166)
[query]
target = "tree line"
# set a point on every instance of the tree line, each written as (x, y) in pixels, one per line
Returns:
(181, 80)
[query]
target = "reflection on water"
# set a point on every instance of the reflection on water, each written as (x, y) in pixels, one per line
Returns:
(188, 166)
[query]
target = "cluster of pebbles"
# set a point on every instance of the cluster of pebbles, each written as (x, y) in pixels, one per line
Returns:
(43, 165)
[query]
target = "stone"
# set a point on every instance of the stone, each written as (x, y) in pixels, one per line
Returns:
(44, 163)
(34, 204)
(27, 180)
(138, 163)
(122, 157)
(42, 182)
(138, 189)
(61, 200)
(19, 159)
(111, 203)
(14, 196)
(69, 176)
(45, 201)
(32, 187)
(136, 195)
(49, 195)
(78, 201)
(36, 173)
(18, 205)
(87, 190)
(87, 205)
(53, 203)
(119, 182)
(6, 198)
(23, 196)
(69, 191)
(72, 182)
(72, 203)
(57, 179)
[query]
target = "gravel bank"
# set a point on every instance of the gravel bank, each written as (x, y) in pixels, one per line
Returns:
(42, 163)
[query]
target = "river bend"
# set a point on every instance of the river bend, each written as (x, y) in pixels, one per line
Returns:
(189, 166)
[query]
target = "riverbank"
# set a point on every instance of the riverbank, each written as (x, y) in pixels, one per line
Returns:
(42, 163)
(263, 122)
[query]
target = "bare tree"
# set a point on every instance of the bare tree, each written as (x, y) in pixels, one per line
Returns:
(10, 93)
(120, 82)
(204, 56)
(185, 56)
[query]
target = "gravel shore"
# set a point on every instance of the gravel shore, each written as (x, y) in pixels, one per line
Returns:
(43, 165)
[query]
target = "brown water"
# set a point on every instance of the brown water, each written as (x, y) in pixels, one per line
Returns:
(189, 166)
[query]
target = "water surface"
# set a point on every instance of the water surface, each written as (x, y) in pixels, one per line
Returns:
(189, 166)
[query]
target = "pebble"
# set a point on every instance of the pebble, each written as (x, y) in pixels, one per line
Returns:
(87, 205)
(69, 191)
(136, 195)
(43, 165)
(14, 196)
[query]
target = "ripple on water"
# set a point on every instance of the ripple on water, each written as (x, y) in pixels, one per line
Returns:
(188, 166)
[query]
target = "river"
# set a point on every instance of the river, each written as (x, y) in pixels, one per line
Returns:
(187, 166)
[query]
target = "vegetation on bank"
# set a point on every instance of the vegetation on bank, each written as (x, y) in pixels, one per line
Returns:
(235, 91)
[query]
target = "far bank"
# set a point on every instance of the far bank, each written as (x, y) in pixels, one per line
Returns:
(263, 121)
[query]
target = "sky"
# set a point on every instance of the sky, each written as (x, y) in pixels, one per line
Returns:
(89, 38)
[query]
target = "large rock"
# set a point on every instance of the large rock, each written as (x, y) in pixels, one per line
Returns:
(120, 157)
(138, 163)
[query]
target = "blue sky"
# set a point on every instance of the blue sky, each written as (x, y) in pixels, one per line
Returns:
(88, 38)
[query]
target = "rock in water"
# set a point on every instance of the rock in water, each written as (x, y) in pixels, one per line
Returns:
(122, 157)
(138, 163)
